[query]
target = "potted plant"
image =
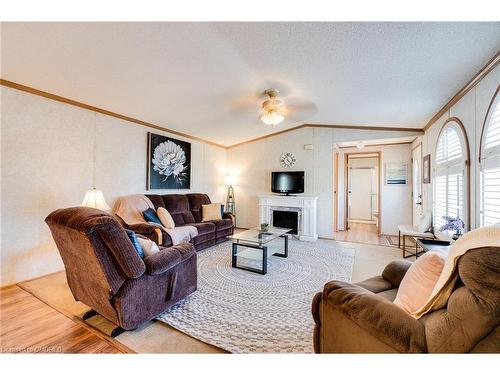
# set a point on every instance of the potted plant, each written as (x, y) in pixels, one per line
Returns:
(455, 224)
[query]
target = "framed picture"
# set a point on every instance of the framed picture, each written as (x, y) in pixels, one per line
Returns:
(169, 163)
(426, 169)
(395, 173)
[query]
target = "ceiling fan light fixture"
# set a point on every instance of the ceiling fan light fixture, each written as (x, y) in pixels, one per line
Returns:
(272, 118)
(273, 108)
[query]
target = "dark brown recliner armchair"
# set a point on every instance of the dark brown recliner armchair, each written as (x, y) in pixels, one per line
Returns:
(361, 318)
(105, 272)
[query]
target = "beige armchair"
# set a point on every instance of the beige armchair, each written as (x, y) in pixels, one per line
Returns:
(422, 230)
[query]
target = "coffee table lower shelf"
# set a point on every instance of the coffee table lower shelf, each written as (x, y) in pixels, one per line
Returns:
(263, 270)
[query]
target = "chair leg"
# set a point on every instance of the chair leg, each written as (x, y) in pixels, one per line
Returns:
(404, 246)
(117, 331)
(89, 314)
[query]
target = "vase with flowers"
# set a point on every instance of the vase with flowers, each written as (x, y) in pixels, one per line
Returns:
(455, 224)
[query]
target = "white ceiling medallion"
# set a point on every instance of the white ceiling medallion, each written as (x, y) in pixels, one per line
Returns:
(287, 160)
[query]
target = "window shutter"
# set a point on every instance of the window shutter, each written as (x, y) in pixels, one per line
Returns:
(490, 190)
(490, 170)
(449, 175)
(493, 131)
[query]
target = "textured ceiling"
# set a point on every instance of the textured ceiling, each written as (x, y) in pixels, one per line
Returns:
(203, 78)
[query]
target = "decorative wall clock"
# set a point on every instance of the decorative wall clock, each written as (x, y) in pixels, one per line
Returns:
(287, 160)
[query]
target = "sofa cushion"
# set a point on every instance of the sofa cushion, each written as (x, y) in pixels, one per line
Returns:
(204, 228)
(157, 200)
(178, 207)
(201, 238)
(222, 224)
(389, 294)
(196, 200)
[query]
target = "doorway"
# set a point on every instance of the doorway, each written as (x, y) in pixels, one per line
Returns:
(360, 192)
(363, 192)
(416, 161)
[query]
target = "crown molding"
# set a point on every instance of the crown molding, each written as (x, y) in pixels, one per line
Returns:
(490, 65)
(367, 127)
(380, 144)
(351, 127)
(89, 107)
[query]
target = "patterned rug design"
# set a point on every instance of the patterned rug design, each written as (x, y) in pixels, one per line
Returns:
(244, 312)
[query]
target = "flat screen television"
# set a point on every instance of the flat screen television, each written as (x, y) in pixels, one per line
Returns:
(287, 182)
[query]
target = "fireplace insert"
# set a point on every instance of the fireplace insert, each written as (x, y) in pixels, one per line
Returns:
(286, 219)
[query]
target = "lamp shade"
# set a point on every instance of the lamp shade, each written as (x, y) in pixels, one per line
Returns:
(230, 180)
(95, 199)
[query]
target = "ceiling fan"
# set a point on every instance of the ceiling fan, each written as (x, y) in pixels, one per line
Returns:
(273, 109)
(273, 106)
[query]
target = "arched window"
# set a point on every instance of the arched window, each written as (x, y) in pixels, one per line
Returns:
(490, 166)
(450, 173)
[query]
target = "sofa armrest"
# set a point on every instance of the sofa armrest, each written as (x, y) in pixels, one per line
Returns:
(168, 257)
(153, 232)
(373, 315)
(395, 271)
(228, 215)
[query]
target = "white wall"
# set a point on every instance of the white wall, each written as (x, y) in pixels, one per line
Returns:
(46, 151)
(471, 110)
(253, 163)
(395, 200)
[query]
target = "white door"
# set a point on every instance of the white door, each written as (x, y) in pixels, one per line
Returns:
(416, 156)
(360, 197)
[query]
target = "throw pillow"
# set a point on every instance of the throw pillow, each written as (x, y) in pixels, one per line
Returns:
(165, 218)
(419, 281)
(133, 238)
(151, 216)
(210, 212)
(148, 246)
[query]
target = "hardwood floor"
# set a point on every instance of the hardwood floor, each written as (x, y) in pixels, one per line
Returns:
(363, 233)
(27, 325)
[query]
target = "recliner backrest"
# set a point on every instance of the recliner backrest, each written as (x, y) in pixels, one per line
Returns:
(97, 254)
(473, 310)
(196, 200)
(178, 207)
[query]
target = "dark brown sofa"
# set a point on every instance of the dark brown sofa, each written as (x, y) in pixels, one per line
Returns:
(186, 210)
(361, 318)
(105, 272)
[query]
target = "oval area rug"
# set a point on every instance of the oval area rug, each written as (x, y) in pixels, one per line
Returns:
(245, 312)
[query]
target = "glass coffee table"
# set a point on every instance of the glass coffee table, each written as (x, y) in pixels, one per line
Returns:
(256, 245)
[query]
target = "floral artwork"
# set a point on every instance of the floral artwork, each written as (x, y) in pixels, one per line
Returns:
(169, 163)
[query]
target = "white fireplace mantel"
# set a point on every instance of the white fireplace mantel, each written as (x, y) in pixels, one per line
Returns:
(304, 204)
